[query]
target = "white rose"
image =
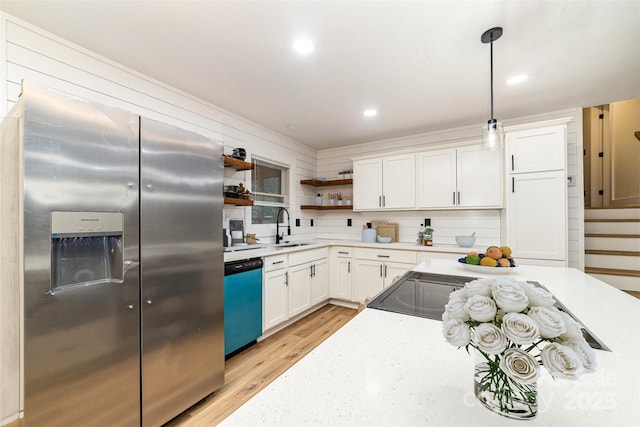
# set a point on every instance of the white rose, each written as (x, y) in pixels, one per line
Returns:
(509, 296)
(561, 361)
(549, 321)
(479, 287)
(520, 328)
(573, 329)
(520, 366)
(454, 309)
(458, 293)
(537, 296)
(456, 332)
(481, 308)
(488, 338)
(584, 351)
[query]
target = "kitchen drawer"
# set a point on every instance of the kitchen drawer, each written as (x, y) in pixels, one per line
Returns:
(343, 251)
(297, 258)
(384, 255)
(275, 262)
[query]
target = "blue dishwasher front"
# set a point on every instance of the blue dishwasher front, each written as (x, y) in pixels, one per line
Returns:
(242, 303)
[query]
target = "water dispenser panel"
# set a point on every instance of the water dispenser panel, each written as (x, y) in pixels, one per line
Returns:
(86, 249)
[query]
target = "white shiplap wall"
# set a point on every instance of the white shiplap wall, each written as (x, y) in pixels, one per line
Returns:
(33, 55)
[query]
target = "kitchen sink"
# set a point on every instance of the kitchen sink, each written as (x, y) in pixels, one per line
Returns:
(425, 295)
(291, 245)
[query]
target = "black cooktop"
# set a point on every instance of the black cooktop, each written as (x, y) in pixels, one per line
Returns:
(425, 295)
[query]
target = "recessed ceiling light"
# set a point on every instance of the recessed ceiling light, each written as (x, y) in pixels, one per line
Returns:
(303, 46)
(370, 112)
(517, 79)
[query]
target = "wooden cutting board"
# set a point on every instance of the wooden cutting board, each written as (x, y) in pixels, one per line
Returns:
(388, 230)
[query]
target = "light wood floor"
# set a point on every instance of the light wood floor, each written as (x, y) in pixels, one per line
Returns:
(253, 369)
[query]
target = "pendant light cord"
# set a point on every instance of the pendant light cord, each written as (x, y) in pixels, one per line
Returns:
(491, 50)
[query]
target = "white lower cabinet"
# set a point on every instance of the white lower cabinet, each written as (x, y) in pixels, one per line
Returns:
(276, 298)
(375, 269)
(320, 282)
(294, 283)
(342, 273)
(537, 216)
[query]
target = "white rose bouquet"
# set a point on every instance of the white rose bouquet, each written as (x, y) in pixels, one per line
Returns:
(515, 328)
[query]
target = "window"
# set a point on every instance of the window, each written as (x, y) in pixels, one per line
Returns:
(270, 191)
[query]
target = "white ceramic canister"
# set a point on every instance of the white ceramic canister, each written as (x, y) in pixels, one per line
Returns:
(369, 235)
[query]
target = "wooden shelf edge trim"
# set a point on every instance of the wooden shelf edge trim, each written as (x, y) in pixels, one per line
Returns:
(326, 208)
(237, 164)
(327, 183)
(237, 202)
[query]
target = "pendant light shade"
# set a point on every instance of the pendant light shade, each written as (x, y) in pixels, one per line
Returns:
(492, 132)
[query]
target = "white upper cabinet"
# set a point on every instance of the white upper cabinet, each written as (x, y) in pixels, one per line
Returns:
(535, 150)
(367, 184)
(436, 178)
(465, 177)
(385, 183)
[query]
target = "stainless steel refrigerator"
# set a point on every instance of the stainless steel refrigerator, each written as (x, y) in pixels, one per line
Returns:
(121, 288)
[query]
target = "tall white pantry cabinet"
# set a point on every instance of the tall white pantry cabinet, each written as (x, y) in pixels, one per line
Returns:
(536, 200)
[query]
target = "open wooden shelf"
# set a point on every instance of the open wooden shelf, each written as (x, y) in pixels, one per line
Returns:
(327, 208)
(327, 183)
(238, 165)
(237, 202)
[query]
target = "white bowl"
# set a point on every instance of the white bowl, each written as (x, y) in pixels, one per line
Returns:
(466, 241)
(382, 239)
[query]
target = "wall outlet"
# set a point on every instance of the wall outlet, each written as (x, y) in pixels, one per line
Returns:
(427, 222)
(349, 222)
(311, 222)
(297, 222)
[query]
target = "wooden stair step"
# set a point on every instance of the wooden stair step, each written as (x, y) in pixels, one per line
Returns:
(607, 252)
(612, 220)
(612, 271)
(624, 236)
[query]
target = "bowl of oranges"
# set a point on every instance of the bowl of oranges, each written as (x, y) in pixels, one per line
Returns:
(496, 257)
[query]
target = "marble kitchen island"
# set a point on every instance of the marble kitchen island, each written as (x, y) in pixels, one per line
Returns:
(391, 369)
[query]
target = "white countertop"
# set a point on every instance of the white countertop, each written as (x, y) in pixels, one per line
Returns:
(266, 250)
(383, 368)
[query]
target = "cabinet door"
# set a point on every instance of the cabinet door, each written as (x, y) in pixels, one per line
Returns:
(343, 279)
(479, 177)
(536, 150)
(399, 182)
(299, 288)
(276, 299)
(368, 276)
(537, 215)
(320, 282)
(392, 270)
(367, 184)
(437, 178)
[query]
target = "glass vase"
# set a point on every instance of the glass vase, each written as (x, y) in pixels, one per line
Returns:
(500, 393)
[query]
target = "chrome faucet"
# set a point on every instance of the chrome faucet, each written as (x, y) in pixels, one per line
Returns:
(278, 238)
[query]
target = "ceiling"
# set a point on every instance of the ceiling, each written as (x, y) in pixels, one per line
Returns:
(419, 63)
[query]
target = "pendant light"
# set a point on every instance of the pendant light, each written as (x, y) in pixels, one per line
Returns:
(492, 133)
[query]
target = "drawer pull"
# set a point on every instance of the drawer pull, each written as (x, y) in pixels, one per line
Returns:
(277, 262)
(383, 256)
(343, 253)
